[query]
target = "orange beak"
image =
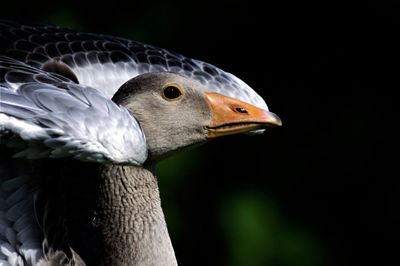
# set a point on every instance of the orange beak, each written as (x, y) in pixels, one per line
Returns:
(232, 116)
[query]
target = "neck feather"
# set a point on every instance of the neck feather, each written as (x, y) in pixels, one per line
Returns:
(130, 219)
(107, 214)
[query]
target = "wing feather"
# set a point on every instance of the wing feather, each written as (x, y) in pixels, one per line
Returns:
(59, 118)
(106, 62)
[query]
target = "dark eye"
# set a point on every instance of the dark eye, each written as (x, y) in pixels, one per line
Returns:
(172, 92)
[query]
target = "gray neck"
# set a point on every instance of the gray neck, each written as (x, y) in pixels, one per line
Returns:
(130, 219)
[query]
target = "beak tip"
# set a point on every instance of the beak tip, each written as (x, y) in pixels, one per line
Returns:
(273, 120)
(278, 122)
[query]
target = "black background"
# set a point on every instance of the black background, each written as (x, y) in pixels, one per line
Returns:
(328, 69)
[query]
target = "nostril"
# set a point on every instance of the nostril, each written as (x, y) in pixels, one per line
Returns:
(241, 110)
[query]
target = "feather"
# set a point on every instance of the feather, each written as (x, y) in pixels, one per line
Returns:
(93, 57)
(68, 120)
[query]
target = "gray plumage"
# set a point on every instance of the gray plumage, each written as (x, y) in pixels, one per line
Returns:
(68, 120)
(106, 62)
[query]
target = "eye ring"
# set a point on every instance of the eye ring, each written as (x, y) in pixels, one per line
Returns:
(172, 92)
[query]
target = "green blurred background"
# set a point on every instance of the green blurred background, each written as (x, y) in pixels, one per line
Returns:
(322, 189)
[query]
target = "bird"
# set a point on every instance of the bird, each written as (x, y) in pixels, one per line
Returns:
(84, 120)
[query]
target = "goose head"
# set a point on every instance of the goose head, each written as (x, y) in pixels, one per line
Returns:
(177, 112)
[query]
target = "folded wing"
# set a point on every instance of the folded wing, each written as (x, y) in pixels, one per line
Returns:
(43, 115)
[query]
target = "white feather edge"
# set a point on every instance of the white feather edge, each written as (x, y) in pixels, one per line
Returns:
(85, 150)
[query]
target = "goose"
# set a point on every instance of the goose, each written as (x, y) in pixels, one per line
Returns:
(84, 119)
